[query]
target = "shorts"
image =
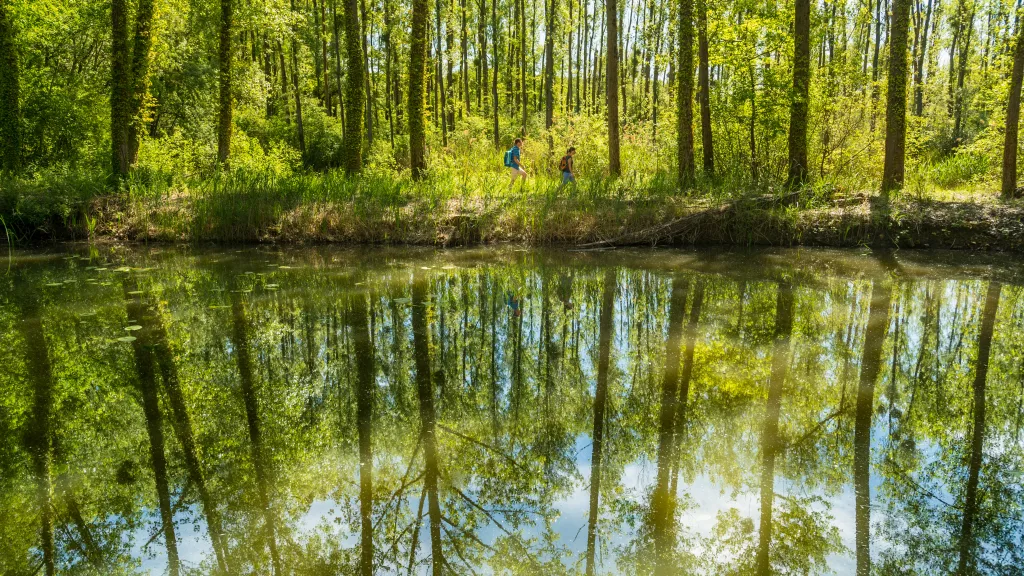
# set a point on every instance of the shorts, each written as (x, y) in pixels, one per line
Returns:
(514, 171)
(567, 178)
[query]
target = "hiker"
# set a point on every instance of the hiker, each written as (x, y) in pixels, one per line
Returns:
(567, 165)
(513, 161)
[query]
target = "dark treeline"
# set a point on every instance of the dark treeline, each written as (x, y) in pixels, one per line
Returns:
(353, 420)
(855, 92)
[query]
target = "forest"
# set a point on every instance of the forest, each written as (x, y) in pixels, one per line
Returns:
(153, 111)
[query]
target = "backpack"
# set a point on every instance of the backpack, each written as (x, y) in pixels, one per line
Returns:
(508, 159)
(563, 164)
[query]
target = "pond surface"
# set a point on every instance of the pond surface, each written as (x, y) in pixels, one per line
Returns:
(335, 411)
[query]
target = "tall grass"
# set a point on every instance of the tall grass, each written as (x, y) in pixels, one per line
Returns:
(270, 193)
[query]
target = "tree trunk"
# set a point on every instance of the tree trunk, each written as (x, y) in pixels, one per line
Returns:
(416, 95)
(958, 106)
(770, 445)
(120, 90)
(224, 58)
(896, 108)
(425, 391)
(300, 133)
(494, 83)
(801, 93)
(1013, 120)
(352, 153)
(611, 86)
(549, 64)
(878, 324)
(367, 77)
(10, 94)
(922, 60)
(684, 95)
(240, 335)
(606, 327)
(966, 563)
(365, 372)
(704, 82)
(139, 76)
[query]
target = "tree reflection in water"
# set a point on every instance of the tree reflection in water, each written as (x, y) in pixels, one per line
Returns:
(329, 411)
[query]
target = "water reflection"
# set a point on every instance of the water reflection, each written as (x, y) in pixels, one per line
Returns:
(342, 412)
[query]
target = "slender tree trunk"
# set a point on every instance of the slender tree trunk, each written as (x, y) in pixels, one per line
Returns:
(525, 107)
(300, 133)
(370, 102)
(285, 105)
(10, 94)
(354, 90)
(606, 326)
(425, 391)
(801, 93)
(240, 335)
(770, 444)
(549, 64)
(388, 58)
(494, 83)
(1013, 120)
(336, 36)
(612, 85)
(704, 82)
(966, 564)
(922, 61)
(364, 356)
(224, 59)
(958, 106)
(878, 324)
(684, 95)
(467, 100)
(896, 109)
(416, 94)
(442, 112)
(482, 70)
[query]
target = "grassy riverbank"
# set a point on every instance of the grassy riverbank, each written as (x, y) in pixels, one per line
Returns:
(470, 208)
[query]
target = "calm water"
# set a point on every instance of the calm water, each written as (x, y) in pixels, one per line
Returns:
(329, 411)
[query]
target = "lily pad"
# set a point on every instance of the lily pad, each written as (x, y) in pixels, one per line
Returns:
(126, 339)
(133, 328)
(55, 284)
(135, 292)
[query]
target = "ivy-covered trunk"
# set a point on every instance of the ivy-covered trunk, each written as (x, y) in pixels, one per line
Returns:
(417, 97)
(801, 93)
(896, 108)
(224, 57)
(10, 94)
(352, 145)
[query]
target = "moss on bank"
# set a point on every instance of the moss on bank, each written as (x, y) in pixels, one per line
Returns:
(461, 210)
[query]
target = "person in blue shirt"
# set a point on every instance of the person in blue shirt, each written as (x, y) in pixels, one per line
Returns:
(567, 165)
(513, 161)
